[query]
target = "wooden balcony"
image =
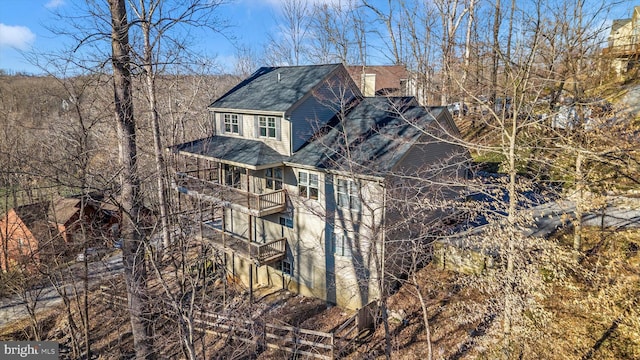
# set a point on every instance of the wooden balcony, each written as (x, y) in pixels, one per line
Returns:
(259, 253)
(627, 50)
(246, 202)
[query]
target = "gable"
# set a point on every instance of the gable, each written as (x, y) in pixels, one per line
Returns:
(64, 209)
(335, 94)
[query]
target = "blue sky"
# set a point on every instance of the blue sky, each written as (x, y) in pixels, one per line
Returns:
(23, 29)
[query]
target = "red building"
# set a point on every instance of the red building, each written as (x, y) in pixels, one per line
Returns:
(22, 229)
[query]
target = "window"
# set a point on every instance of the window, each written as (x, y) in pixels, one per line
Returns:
(285, 266)
(231, 124)
(347, 193)
(274, 178)
(404, 87)
(267, 127)
(341, 244)
(232, 175)
(308, 185)
(286, 221)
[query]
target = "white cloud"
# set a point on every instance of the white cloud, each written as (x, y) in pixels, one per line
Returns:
(52, 4)
(19, 37)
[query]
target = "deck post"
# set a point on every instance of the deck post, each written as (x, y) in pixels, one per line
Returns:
(250, 282)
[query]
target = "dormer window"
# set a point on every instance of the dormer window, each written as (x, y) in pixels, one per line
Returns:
(231, 124)
(268, 128)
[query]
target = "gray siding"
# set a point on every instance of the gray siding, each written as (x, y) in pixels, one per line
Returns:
(432, 152)
(318, 108)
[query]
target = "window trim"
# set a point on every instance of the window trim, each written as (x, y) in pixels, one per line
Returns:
(267, 127)
(284, 264)
(280, 266)
(286, 221)
(340, 245)
(227, 120)
(350, 194)
(308, 185)
(273, 180)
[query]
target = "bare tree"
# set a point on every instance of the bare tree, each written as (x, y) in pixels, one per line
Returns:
(133, 250)
(389, 21)
(246, 62)
(288, 45)
(467, 52)
(452, 14)
(339, 34)
(157, 22)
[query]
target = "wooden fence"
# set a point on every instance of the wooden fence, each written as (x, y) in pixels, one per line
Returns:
(296, 341)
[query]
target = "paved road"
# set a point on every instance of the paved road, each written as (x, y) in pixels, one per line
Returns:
(631, 100)
(620, 213)
(13, 308)
(548, 218)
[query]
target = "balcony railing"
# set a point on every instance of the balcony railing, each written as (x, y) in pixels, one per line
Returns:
(259, 253)
(227, 196)
(622, 50)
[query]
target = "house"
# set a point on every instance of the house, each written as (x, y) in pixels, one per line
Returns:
(624, 43)
(293, 184)
(21, 230)
(65, 215)
(50, 228)
(382, 80)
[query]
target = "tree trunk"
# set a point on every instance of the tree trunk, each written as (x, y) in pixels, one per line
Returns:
(133, 254)
(495, 55)
(509, 299)
(425, 317)
(157, 142)
(467, 54)
(577, 224)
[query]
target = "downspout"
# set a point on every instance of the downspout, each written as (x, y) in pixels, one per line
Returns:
(250, 237)
(383, 298)
(383, 236)
(288, 118)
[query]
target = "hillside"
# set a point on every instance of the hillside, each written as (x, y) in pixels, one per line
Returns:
(593, 315)
(590, 312)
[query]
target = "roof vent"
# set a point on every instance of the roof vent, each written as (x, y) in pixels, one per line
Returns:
(278, 77)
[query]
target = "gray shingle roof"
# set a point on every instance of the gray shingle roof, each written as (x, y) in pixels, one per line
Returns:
(249, 152)
(372, 138)
(274, 88)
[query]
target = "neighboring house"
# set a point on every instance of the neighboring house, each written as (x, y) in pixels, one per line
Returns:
(21, 231)
(382, 80)
(624, 43)
(292, 185)
(65, 216)
(47, 229)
